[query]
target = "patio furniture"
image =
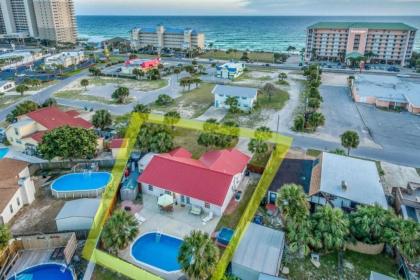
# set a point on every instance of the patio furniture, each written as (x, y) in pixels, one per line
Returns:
(165, 200)
(195, 210)
(131, 207)
(140, 218)
(208, 218)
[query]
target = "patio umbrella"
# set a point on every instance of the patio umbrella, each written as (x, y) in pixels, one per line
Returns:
(165, 200)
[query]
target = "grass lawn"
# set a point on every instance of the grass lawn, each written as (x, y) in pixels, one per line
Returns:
(356, 266)
(187, 138)
(140, 85)
(313, 152)
(6, 101)
(275, 102)
(101, 273)
(256, 56)
(77, 95)
(232, 220)
(194, 103)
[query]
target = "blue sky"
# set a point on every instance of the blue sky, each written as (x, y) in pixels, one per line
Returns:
(247, 7)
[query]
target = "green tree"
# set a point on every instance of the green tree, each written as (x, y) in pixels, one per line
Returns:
(316, 119)
(290, 49)
(244, 56)
(314, 103)
(164, 100)
(186, 82)
(21, 109)
(5, 236)
(84, 83)
(120, 229)
(299, 123)
(121, 94)
(405, 236)
(282, 76)
(21, 89)
(155, 138)
(68, 143)
(292, 203)
(49, 102)
(35, 83)
(368, 224)
(138, 73)
(102, 119)
(258, 144)
(330, 227)
(177, 71)
(233, 103)
(196, 81)
(299, 236)
(270, 89)
(350, 140)
(171, 118)
(198, 256)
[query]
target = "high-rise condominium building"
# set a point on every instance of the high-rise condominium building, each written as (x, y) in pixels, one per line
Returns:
(171, 38)
(56, 20)
(18, 17)
(44, 19)
(381, 41)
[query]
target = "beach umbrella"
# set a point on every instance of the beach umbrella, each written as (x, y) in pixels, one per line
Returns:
(165, 200)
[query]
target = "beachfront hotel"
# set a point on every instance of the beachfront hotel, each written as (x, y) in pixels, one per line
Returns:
(386, 42)
(164, 37)
(52, 20)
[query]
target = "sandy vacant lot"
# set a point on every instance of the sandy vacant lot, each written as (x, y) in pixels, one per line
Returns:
(398, 176)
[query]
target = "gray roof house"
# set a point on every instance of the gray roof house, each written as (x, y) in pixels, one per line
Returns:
(259, 253)
(346, 182)
(77, 214)
(246, 96)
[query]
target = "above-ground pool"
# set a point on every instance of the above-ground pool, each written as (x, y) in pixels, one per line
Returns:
(81, 184)
(158, 251)
(3, 152)
(48, 271)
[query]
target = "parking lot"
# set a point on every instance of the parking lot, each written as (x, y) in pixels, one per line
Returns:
(392, 129)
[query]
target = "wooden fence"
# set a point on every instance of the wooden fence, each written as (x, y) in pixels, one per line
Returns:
(103, 163)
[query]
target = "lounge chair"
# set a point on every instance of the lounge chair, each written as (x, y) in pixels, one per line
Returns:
(139, 218)
(195, 210)
(208, 218)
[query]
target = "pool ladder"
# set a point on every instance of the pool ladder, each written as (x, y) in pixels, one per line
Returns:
(158, 236)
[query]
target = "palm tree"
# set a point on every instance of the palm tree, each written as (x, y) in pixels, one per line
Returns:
(258, 144)
(330, 227)
(405, 236)
(299, 236)
(350, 139)
(198, 256)
(102, 119)
(49, 102)
(293, 203)
(171, 118)
(316, 119)
(233, 103)
(119, 231)
(121, 94)
(177, 70)
(138, 73)
(369, 223)
(143, 111)
(269, 88)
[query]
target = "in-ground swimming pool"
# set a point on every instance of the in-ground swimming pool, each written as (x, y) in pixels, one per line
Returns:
(81, 184)
(48, 271)
(158, 251)
(3, 152)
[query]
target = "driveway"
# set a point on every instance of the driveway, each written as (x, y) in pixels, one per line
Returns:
(213, 113)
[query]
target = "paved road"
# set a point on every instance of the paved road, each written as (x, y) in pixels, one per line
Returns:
(43, 94)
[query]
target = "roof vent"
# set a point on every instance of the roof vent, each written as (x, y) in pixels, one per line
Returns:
(344, 185)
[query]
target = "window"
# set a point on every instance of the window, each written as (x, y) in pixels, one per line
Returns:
(11, 208)
(207, 205)
(18, 201)
(188, 200)
(150, 188)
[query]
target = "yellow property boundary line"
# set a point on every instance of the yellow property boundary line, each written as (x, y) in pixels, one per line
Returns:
(90, 251)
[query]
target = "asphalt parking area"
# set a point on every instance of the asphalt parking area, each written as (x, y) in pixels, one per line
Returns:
(392, 129)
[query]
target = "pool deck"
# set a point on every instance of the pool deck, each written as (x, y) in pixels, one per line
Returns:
(178, 223)
(30, 258)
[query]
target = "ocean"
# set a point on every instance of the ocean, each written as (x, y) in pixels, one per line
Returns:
(264, 33)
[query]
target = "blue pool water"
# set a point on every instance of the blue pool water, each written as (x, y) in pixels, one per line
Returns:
(50, 271)
(3, 152)
(159, 251)
(88, 181)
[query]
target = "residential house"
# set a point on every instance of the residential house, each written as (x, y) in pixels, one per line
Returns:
(345, 182)
(77, 214)
(209, 182)
(65, 59)
(259, 253)
(6, 86)
(27, 132)
(16, 188)
(229, 70)
(407, 201)
(247, 97)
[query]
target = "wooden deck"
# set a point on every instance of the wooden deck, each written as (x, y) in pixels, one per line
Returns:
(30, 258)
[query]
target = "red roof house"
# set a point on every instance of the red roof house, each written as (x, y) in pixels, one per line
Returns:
(208, 182)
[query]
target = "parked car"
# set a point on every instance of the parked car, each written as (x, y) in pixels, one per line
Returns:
(393, 69)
